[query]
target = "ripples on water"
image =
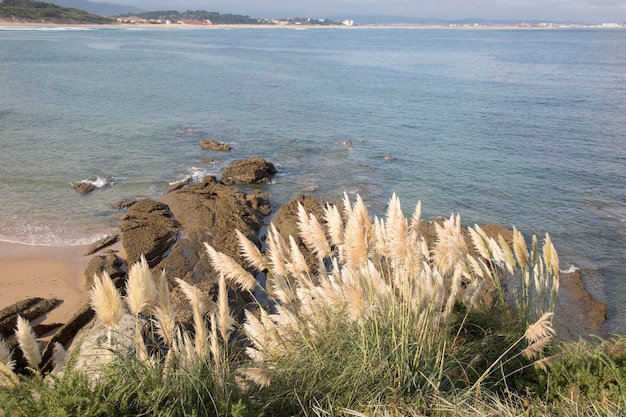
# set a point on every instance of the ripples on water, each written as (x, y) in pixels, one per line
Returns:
(523, 128)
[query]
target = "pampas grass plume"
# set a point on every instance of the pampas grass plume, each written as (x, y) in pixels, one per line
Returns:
(312, 233)
(59, 357)
(6, 355)
(259, 376)
(106, 300)
(226, 322)
(251, 253)
(540, 329)
(140, 288)
(28, 342)
(231, 269)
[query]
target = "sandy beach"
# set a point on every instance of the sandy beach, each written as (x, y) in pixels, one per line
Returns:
(44, 271)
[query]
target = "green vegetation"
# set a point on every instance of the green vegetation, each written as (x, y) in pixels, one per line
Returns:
(377, 323)
(214, 17)
(36, 11)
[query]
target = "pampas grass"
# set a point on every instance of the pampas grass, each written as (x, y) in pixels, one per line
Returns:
(28, 342)
(106, 300)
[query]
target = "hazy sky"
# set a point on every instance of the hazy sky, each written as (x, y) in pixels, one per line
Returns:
(596, 10)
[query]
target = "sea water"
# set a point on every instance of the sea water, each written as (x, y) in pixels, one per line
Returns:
(518, 127)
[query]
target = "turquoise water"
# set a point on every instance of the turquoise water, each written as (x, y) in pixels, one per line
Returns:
(524, 128)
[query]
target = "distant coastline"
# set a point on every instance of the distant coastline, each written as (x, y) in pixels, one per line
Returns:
(13, 23)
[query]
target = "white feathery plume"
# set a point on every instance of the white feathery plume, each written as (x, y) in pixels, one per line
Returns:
(140, 288)
(347, 205)
(7, 376)
(356, 250)
(226, 322)
(396, 229)
(59, 357)
(216, 353)
(6, 355)
(259, 376)
(479, 238)
(507, 254)
(200, 304)
(28, 342)
(312, 233)
(380, 245)
(550, 256)
(163, 311)
(276, 252)
(416, 220)
(194, 295)
(251, 253)
(520, 249)
(334, 223)
(450, 249)
(540, 329)
(106, 300)
(231, 269)
(298, 263)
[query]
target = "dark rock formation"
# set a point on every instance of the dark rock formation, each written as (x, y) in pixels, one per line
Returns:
(30, 309)
(101, 244)
(213, 145)
(148, 229)
(84, 187)
(111, 264)
(66, 334)
(171, 233)
(577, 314)
(248, 171)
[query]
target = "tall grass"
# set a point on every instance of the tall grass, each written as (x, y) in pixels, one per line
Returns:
(384, 323)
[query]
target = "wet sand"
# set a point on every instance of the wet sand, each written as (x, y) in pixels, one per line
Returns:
(44, 271)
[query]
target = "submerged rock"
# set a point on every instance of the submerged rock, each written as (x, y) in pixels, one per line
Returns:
(213, 145)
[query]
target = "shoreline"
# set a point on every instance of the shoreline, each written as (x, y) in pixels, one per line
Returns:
(10, 23)
(47, 272)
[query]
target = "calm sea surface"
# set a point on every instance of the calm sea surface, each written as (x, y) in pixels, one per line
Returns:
(524, 128)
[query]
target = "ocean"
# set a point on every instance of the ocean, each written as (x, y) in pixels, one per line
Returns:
(525, 128)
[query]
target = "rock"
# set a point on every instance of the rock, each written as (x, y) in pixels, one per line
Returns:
(148, 229)
(213, 145)
(577, 314)
(173, 186)
(260, 201)
(99, 345)
(84, 187)
(111, 263)
(30, 309)
(101, 244)
(248, 171)
(209, 160)
(66, 334)
(210, 212)
(124, 204)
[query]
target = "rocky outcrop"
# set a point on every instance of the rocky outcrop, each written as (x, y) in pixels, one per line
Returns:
(30, 309)
(84, 187)
(213, 145)
(149, 229)
(577, 314)
(109, 263)
(248, 171)
(101, 244)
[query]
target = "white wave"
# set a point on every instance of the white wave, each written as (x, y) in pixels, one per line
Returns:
(44, 28)
(570, 270)
(99, 181)
(51, 239)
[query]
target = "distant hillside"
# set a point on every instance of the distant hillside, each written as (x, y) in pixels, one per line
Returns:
(39, 12)
(214, 17)
(100, 8)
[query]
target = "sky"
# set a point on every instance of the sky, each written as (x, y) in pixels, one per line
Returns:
(577, 10)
